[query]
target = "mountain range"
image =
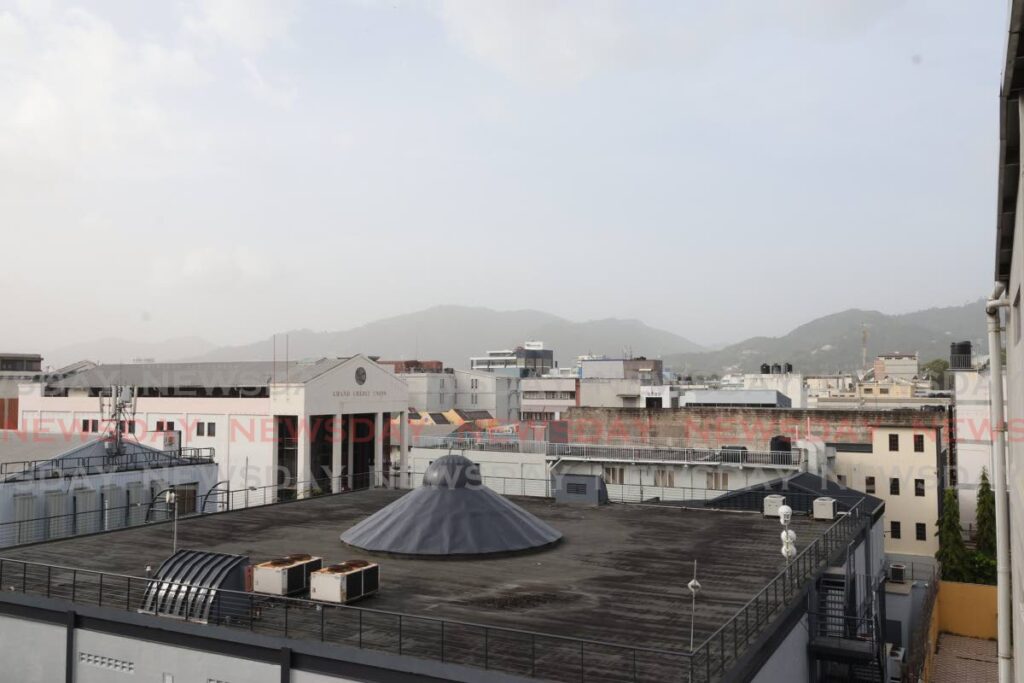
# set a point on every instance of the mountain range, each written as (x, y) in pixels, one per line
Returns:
(454, 333)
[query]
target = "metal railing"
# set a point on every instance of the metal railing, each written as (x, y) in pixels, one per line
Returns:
(625, 450)
(514, 651)
(80, 466)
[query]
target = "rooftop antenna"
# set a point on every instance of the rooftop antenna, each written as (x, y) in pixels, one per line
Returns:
(864, 346)
(120, 412)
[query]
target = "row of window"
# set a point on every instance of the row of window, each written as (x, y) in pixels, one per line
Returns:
(920, 530)
(666, 478)
(894, 442)
(894, 485)
(92, 426)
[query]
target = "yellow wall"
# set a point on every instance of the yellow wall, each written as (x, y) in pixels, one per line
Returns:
(967, 609)
(906, 465)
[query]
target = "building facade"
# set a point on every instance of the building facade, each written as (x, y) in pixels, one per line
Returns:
(285, 424)
(904, 467)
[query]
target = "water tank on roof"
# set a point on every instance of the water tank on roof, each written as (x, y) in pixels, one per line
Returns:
(776, 369)
(766, 369)
(960, 355)
(787, 368)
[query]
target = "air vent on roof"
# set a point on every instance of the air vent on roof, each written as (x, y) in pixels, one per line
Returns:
(188, 583)
(286, 575)
(345, 581)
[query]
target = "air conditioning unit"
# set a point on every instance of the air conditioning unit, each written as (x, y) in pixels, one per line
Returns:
(897, 572)
(772, 504)
(825, 508)
(284, 576)
(894, 664)
(345, 582)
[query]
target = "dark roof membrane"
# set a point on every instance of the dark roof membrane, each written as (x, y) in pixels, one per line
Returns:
(451, 514)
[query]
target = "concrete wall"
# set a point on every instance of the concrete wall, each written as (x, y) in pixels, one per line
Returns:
(790, 384)
(22, 636)
(967, 609)
(156, 661)
(711, 427)
(789, 661)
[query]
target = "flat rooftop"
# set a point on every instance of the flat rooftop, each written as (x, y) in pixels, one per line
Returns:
(619, 575)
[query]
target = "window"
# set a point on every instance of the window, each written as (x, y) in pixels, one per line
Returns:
(200, 429)
(921, 531)
(919, 488)
(665, 478)
(613, 475)
(883, 390)
(894, 442)
(894, 529)
(159, 425)
(718, 481)
(85, 425)
(868, 390)
(170, 426)
(919, 443)
(894, 487)
(211, 429)
(869, 484)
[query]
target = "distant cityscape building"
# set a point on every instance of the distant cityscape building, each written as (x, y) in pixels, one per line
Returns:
(895, 366)
(529, 360)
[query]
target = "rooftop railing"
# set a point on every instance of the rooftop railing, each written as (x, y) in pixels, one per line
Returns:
(541, 655)
(130, 459)
(611, 451)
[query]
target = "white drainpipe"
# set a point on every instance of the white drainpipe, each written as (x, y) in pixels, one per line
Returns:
(1004, 600)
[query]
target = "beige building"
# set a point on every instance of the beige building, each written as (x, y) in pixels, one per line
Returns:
(903, 467)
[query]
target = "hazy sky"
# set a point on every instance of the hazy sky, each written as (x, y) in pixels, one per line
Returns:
(720, 169)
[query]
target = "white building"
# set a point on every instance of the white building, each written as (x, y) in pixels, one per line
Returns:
(431, 392)
(972, 393)
(546, 398)
(791, 384)
(57, 485)
(269, 423)
(897, 366)
(496, 393)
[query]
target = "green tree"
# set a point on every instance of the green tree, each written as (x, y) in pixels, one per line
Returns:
(952, 553)
(935, 370)
(985, 538)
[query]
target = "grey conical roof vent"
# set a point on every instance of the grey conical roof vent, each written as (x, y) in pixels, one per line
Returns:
(453, 513)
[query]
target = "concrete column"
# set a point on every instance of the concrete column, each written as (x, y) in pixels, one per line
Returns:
(337, 435)
(403, 458)
(304, 458)
(378, 449)
(350, 441)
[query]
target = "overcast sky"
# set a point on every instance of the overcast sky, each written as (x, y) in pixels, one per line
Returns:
(230, 169)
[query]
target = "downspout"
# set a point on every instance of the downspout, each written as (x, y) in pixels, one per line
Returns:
(1004, 604)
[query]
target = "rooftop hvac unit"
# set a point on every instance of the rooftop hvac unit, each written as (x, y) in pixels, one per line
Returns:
(345, 582)
(772, 504)
(897, 572)
(825, 508)
(894, 670)
(284, 576)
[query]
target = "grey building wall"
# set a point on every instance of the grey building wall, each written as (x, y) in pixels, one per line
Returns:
(789, 661)
(21, 637)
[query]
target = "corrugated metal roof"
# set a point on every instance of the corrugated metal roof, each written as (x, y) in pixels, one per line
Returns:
(208, 375)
